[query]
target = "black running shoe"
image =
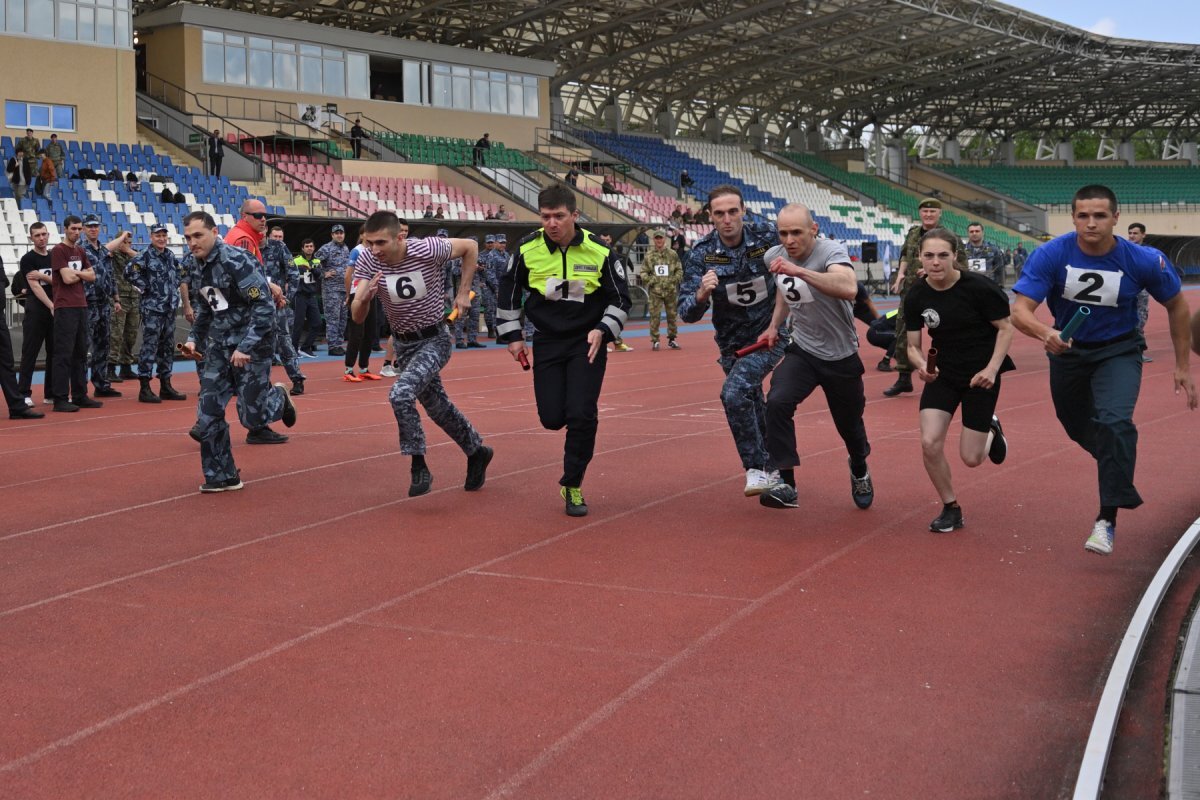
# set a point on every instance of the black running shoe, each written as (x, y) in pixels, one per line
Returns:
(573, 497)
(779, 496)
(230, 485)
(422, 482)
(950, 519)
(289, 408)
(999, 449)
(862, 489)
(477, 464)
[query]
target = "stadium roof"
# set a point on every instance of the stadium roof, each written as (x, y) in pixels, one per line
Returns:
(944, 65)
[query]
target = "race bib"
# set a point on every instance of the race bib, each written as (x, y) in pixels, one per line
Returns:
(354, 284)
(977, 264)
(49, 273)
(795, 291)
(307, 277)
(747, 293)
(1092, 287)
(406, 287)
(662, 270)
(75, 265)
(215, 298)
(559, 289)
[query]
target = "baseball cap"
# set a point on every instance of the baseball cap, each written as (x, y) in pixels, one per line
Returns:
(443, 232)
(659, 234)
(337, 229)
(930, 202)
(91, 219)
(158, 227)
(500, 237)
(491, 237)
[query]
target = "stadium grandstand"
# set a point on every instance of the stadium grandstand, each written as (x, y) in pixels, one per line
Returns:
(457, 113)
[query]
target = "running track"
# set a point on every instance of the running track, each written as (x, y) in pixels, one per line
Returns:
(321, 635)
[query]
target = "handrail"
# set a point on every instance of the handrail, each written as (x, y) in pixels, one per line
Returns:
(265, 167)
(1104, 727)
(962, 203)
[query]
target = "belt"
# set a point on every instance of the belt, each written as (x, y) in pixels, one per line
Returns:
(418, 335)
(1104, 343)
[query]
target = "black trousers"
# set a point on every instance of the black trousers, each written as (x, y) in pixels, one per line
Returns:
(8, 376)
(793, 380)
(70, 353)
(359, 338)
(307, 313)
(567, 390)
(38, 329)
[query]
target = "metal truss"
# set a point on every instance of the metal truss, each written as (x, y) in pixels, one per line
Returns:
(941, 66)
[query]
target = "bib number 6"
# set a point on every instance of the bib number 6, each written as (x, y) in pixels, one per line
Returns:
(405, 287)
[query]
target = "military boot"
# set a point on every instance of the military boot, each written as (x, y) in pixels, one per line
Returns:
(166, 391)
(147, 395)
(113, 374)
(903, 384)
(127, 372)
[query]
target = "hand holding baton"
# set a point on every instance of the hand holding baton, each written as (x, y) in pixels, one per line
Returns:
(189, 354)
(931, 360)
(523, 360)
(454, 314)
(1071, 327)
(751, 348)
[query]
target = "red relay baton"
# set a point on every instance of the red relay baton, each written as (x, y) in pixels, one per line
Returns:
(751, 348)
(523, 360)
(194, 356)
(931, 360)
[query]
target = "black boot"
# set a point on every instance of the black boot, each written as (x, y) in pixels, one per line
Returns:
(113, 377)
(903, 384)
(166, 391)
(127, 372)
(147, 395)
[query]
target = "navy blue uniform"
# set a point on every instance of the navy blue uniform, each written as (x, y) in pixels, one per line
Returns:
(99, 309)
(157, 275)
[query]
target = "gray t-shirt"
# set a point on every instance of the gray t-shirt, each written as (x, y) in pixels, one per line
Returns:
(821, 325)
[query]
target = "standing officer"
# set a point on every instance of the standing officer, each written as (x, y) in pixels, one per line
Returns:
(216, 153)
(984, 257)
(492, 264)
(38, 326)
(409, 277)
(1095, 377)
(100, 297)
(17, 409)
(1137, 235)
(157, 275)
(126, 316)
(235, 317)
(726, 270)
(661, 275)
(281, 271)
(335, 260)
(54, 151)
(308, 290)
(70, 268)
(27, 150)
(930, 210)
(574, 291)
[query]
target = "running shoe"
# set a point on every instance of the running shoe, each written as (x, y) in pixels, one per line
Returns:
(367, 375)
(862, 490)
(779, 496)
(951, 519)
(388, 371)
(674, 345)
(573, 497)
(621, 347)
(1101, 540)
(230, 485)
(350, 377)
(759, 481)
(999, 449)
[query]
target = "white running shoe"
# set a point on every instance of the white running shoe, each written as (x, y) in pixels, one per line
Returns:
(1101, 540)
(388, 371)
(758, 481)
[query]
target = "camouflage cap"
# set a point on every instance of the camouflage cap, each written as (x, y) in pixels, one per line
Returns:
(659, 234)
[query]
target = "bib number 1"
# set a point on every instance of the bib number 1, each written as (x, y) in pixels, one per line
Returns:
(559, 289)
(1092, 287)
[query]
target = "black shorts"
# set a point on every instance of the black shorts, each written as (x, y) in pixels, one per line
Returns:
(978, 405)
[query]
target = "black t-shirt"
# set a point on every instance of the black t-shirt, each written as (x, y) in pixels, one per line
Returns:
(959, 321)
(31, 261)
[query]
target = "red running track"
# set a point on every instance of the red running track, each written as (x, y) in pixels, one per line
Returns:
(320, 634)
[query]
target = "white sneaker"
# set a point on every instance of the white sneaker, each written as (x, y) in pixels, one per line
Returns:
(758, 481)
(388, 371)
(1101, 540)
(29, 402)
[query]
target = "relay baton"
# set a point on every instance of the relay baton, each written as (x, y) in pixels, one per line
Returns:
(1071, 327)
(751, 348)
(931, 360)
(193, 355)
(523, 360)
(454, 314)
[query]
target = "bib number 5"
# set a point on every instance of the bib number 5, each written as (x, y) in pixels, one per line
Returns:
(747, 293)
(1092, 287)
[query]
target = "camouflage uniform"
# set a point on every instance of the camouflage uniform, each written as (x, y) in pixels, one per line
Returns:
(27, 148)
(157, 275)
(743, 304)
(492, 264)
(336, 257)
(987, 259)
(280, 269)
(128, 321)
(910, 253)
(99, 310)
(234, 312)
(470, 322)
(54, 151)
(661, 275)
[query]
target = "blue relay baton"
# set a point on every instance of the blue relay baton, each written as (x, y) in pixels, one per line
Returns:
(1071, 327)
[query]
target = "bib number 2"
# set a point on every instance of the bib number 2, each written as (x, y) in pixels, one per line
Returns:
(1092, 287)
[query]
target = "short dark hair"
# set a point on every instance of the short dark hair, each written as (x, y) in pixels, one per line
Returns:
(308, 241)
(557, 197)
(974, 225)
(950, 237)
(1095, 191)
(37, 226)
(276, 228)
(71, 220)
(382, 221)
(200, 216)
(1137, 225)
(724, 189)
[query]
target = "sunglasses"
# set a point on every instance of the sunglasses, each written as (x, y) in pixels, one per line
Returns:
(257, 215)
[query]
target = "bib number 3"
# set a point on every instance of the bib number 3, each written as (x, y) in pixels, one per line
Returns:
(1092, 287)
(795, 291)
(406, 287)
(747, 293)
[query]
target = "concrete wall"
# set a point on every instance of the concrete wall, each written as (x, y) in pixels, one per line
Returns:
(1165, 223)
(98, 81)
